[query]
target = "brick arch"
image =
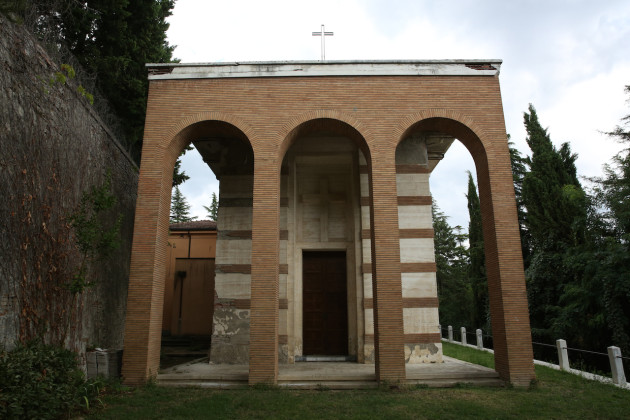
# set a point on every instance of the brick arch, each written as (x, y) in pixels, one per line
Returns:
(506, 283)
(291, 129)
(171, 136)
(176, 144)
(148, 262)
(448, 121)
(179, 135)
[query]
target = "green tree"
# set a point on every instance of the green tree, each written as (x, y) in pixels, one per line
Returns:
(179, 176)
(477, 258)
(180, 209)
(451, 258)
(612, 249)
(555, 219)
(113, 39)
(213, 209)
(519, 169)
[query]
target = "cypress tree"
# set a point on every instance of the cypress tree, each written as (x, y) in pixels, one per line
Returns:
(451, 258)
(213, 209)
(477, 265)
(519, 169)
(555, 220)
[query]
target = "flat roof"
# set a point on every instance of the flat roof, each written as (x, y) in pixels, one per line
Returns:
(254, 69)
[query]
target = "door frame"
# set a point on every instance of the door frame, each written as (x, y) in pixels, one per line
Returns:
(337, 256)
(354, 295)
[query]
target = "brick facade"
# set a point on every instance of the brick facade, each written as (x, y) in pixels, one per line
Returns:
(377, 105)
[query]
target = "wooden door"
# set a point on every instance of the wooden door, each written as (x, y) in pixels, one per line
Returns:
(193, 297)
(325, 305)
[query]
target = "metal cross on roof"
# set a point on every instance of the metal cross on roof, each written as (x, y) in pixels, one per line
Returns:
(323, 34)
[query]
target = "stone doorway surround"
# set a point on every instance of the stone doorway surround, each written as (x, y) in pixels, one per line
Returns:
(379, 104)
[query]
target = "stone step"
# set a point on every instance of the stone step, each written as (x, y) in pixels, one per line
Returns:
(452, 382)
(452, 375)
(354, 384)
(328, 384)
(203, 384)
(326, 376)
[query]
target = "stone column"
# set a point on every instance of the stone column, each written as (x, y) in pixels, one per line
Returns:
(263, 350)
(231, 320)
(417, 253)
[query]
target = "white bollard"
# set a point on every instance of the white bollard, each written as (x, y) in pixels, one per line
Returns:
(463, 334)
(563, 354)
(479, 339)
(450, 333)
(616, 366)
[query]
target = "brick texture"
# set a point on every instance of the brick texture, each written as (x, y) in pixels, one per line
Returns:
(379, 111)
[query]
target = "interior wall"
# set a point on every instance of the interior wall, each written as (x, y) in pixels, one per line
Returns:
(321, 186)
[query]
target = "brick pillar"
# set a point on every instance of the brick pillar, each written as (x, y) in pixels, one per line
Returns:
(141, 356)
(263, 348)
(386, 278)
(504, 264)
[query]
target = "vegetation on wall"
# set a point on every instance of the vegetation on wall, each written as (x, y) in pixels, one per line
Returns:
(56, 253)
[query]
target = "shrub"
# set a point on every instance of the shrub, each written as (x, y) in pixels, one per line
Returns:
(41, 381)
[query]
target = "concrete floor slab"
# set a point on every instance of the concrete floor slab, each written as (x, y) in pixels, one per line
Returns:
(334, 375)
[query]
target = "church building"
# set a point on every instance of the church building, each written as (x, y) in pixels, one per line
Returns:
(325, 241)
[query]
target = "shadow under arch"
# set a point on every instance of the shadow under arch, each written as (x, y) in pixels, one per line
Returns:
(192, 130)
(504, 266)
(325, 121)
(462, 129)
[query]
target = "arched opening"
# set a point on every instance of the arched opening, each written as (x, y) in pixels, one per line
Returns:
(206, 293)
(324, 214)
(417, 154)
(433, 137)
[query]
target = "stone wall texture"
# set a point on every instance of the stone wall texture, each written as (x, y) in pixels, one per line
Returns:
(53, 148)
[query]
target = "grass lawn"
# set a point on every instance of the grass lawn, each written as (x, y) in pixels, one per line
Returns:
(556, 395)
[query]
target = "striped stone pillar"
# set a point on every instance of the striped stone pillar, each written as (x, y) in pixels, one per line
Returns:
(417, 253)
(231, 320)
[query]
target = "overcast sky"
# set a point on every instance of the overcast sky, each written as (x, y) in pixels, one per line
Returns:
(570, 59)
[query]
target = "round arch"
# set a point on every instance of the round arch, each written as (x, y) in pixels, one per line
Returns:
(148, 263)
(451, 122)
(198, 125)
(324, 119)
(506, 285)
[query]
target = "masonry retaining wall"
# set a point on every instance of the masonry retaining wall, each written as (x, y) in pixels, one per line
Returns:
(53, 148)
